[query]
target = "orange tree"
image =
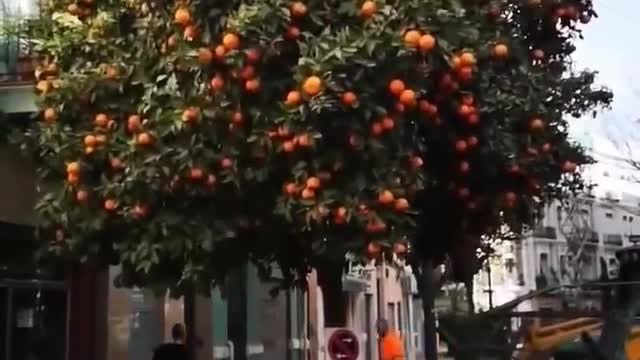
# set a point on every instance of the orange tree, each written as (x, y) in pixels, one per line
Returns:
(183, 137)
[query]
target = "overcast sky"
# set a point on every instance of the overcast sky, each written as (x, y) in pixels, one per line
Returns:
(611, 48)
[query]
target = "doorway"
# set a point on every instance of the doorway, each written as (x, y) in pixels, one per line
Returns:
(33, 318)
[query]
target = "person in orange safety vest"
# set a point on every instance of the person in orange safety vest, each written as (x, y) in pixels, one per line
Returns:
(391, 346)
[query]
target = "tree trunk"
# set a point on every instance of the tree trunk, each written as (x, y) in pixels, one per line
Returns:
(428, 293)
(468, 287)
(621, 315)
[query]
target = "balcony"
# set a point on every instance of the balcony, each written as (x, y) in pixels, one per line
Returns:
(545, 232)
(16, 56)
(613, 239)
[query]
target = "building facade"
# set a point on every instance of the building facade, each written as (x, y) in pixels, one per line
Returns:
(570, 244)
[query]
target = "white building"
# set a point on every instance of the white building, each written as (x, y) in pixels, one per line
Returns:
(599, 224)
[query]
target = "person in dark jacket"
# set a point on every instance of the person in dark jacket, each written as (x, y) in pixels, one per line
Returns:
(176, 350)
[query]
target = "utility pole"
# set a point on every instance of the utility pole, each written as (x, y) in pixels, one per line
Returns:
(489, 290)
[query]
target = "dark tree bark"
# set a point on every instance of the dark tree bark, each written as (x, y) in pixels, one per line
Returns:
(468, 287)
(428, 292)
(622, 312)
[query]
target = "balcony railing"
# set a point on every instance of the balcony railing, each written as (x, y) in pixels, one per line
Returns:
(545, 232)
(16, 56)
(16, 62)
(613, 239)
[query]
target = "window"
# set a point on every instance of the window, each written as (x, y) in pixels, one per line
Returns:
(585, 211)
(391, 315)
(559, 213)
(399, 315)
(609, 215)
(544, 263)
(630, 218)
(624, 217)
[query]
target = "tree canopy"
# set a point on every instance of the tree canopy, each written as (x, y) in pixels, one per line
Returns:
(181, 138)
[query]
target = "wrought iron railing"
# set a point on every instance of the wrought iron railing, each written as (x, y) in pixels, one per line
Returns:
(545, 232)
(16, 56)
(613, 239)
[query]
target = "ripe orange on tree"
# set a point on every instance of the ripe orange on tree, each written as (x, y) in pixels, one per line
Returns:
(253, 56)
(90, 141)
(226, 163)
(248, 72)
(73, 179)
(412, 38)
(102, 120)
(231, 41)
(217, 82)
(536, 125)
(467, 59)
(293, 98)
(293, 33)
(401, 204)
(220, 51)
(368, 9)
(396, 87)
(408, 97)
(377, 128)
(110, 204)
(313, 183)
(312, 85)
(298, 9)
(501, 51)
(461, 145)
(308, 194)
(133, 123)
(144, 139)
(388, 123)
(569, 166)
(427, 43)
(50, 115)
(139, 211)
(252, 86)
(288, 146)
(291, 189)
(211, 180)
(205, 56)
(303, 140)
(196, 173)
(190, 114)
(349, 98)
(386, 197)
(116, 163)
(183, 16)
(73, 168)
(82, 195)
(190, 33)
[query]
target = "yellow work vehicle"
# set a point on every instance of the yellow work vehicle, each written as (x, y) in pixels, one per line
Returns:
(542, 342)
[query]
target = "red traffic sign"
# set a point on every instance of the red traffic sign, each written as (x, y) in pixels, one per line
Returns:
(343, 345)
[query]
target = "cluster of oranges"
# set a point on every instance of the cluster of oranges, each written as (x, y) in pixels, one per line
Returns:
(311, 87)
(414, 39)
(468, 112)
(134, 126)
(387, 198)
(307, 191)
(463, 66)
(290, 141)
(198, 174)
(183, 17)
(81, 8)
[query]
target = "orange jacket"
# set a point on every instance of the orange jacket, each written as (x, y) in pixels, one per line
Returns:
(391, 347)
